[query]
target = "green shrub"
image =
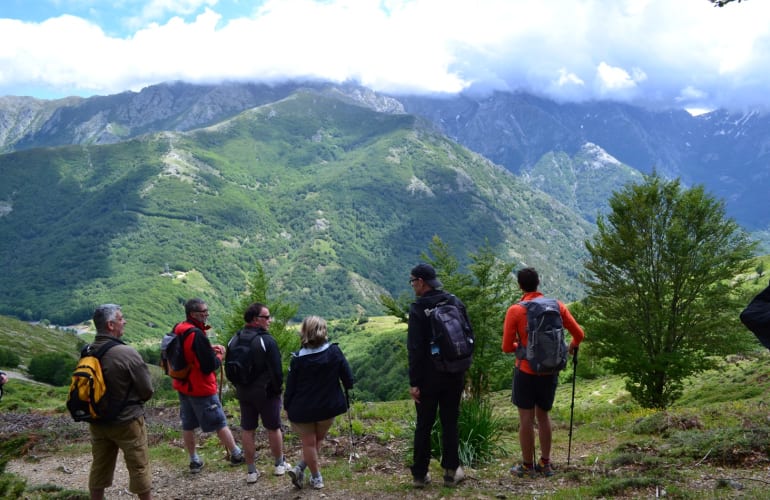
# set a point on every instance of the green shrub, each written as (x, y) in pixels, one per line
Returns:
(53, 368)
(478, 433)
(9, 358)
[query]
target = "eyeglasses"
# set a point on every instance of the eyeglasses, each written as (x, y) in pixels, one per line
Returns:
(203, 311)
(412, 280)
(263, 316)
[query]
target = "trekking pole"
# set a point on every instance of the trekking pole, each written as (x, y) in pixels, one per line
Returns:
(572, 406)
(353, 453)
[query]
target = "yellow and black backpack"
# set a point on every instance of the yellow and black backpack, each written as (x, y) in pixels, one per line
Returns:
(89, 396)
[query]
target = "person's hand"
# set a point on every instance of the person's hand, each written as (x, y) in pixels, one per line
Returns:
(572, 349)
(3, 378)
(219, 350)
(415, 393)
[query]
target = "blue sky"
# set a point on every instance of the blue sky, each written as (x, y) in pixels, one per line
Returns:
(665, 53)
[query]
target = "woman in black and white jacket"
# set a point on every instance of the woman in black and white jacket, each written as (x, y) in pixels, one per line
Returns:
(313, 394)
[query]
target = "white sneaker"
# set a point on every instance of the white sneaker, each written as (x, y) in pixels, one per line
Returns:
(281, 469)
(252, 477)
(317, 482)
(297, 476)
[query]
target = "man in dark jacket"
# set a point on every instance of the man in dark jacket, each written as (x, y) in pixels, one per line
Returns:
(262, 397)
(199, 404)
(128, 379)
(430, 389)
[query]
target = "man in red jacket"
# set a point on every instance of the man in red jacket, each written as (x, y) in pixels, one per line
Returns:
(533, 393)
(200, 405)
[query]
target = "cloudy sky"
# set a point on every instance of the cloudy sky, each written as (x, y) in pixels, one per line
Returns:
(682, 53)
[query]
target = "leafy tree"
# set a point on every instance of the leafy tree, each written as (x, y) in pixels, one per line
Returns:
(53, 368)
(9, 358)
(660, 283)
(257, 291)
(493, 290)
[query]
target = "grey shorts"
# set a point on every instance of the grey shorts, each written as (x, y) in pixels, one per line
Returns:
(205, 412)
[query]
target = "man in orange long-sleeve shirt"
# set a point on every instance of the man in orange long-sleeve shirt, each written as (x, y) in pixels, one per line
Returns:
(533, 393)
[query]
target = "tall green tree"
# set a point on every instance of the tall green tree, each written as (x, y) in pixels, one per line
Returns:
(661, 268)
(493, 290)
(258, 288)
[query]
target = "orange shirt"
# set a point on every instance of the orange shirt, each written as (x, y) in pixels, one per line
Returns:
(515, 329)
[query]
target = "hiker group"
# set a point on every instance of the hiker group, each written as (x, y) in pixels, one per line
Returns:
(112, 382)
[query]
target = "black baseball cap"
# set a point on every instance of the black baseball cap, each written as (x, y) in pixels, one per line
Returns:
(427, 274)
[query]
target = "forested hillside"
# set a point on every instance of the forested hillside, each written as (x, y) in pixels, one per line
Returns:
(336, 200)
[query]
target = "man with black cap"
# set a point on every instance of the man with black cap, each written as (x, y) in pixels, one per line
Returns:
(430, 389)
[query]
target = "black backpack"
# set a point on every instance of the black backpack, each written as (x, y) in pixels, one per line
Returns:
(245, 359)
(546, 349)
(451, 346)
(756, 316)
(172, 358)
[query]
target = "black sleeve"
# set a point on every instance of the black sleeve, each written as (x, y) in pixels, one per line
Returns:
(291, 384)
(417, 345)
(274, 365)
(345, 373)
(207, 358)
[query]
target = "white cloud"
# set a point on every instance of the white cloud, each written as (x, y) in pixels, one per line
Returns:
(651, 50)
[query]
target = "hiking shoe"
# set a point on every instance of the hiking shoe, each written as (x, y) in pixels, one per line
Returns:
(237, 459)
(317, 482)
(297, 476)
(281, 468)
(421, 483)
(195, 466)
(544, 468)
(453, 477)
(523, 470)
(252, 477)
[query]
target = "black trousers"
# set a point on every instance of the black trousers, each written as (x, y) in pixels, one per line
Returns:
(441, 395)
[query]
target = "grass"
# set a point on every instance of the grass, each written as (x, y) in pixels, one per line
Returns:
(713, 443)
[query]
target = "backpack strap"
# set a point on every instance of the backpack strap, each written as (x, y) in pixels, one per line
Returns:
(98, 355)
(521, 351)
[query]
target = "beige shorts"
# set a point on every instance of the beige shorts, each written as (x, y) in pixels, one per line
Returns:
(317, 428)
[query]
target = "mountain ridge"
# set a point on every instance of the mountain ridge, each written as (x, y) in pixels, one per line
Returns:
(726, 152)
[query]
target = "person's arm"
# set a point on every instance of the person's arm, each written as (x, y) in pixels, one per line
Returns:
(346, 374)
(140, 374)
(207, 358)
(416, 347)
(510, 331)
(291, 383)
(274, 363)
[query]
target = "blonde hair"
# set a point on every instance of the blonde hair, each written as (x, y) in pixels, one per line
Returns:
(313, 332)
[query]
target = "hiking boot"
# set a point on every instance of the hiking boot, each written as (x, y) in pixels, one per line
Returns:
(297, 476)
(544, 468)
(523, 470)
(421, 483)
(252, 477)
(236, 459)
(317, 482)
(195, 466)
(280, 469)
(453, 477)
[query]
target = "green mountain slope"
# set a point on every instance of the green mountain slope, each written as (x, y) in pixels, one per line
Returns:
(583, 182)
(335, 200)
